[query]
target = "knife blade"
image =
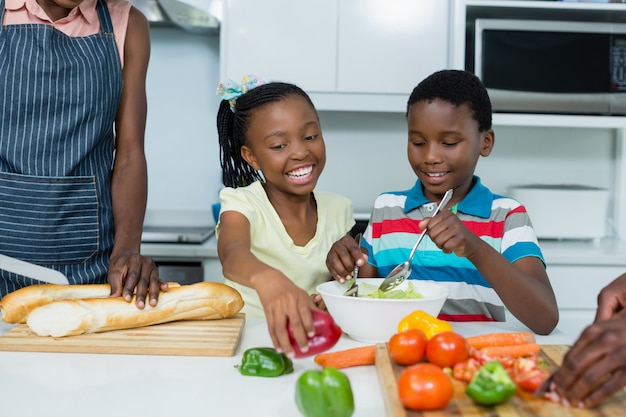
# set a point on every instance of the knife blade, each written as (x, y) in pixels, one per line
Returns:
(31, 270)
(544, 388)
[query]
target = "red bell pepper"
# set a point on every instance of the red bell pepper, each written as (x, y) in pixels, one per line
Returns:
(327, 333)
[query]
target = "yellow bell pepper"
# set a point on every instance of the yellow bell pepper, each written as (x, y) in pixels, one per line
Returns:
(425, 322)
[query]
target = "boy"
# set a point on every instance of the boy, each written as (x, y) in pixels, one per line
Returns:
(483, 248)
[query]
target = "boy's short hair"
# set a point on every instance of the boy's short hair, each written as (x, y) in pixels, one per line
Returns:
(456, 87)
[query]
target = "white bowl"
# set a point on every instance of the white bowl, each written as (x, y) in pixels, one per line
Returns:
(374, 320)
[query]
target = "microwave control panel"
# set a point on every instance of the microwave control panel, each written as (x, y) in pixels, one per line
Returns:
(618, 63)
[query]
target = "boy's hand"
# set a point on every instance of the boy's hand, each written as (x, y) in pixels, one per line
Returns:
(450, 235)
(319, 302)
(342, 256)
(284, 302)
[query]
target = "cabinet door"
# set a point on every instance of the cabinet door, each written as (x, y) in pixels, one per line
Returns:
(281, 40)
(576, 288)
(388, 47)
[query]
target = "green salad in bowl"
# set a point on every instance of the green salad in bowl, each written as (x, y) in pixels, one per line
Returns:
(372, 291)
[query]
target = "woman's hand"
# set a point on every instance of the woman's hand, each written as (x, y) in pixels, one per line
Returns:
(612, 299)
(595, 367)
(133, 273)
(342, 257)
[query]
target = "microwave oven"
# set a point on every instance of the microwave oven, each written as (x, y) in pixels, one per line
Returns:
(562, 67)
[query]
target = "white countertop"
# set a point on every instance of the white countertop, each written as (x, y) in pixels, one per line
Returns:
(36, 384)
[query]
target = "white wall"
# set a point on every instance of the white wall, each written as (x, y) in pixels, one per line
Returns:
(181, 137)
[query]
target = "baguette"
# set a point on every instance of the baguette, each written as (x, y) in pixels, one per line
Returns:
(15, 306)
(200, 301)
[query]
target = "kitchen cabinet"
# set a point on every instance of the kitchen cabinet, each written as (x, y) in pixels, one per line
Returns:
(576, 288)
(356, 55)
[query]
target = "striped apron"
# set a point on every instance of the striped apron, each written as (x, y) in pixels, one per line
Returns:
(58, 100)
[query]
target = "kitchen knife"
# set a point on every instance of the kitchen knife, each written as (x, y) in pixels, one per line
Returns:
(31, 270)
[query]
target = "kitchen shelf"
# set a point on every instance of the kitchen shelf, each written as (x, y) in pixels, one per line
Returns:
(604, 252)
(559, 120)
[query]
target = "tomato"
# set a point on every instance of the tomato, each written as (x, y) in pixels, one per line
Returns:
(447, 349)
(407, 347)
(531, 380)
(425, 386)
(465, 370)
(527, 375)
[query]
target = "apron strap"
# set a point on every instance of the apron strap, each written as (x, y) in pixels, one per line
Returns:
(106, 24)
(1, 14)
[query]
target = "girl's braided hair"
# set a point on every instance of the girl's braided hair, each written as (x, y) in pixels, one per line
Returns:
(233, 125)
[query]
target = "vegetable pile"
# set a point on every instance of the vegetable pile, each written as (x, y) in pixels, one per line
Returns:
(494, 365)
(515, 351)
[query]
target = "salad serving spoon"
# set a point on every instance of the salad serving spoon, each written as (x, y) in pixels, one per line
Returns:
(353, 291)
(402, 271)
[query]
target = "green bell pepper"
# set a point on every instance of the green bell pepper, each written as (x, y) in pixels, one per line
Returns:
(324, 393)
(265, 361)
(491, 385)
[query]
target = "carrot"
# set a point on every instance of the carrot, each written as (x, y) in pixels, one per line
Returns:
(513, 351)
(500, 339)
(364, 355)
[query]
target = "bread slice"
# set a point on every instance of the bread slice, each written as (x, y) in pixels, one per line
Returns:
(16, 305)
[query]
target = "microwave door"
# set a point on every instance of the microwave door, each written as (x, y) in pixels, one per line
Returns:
(533, 102)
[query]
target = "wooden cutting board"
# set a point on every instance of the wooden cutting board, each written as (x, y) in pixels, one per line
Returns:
(522, 404)
(182, 338)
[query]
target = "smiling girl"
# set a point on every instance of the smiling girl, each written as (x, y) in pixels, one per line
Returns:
(275, 229)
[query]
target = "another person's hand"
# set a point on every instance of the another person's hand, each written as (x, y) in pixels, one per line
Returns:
(612, 299)
(342, 257)
(135, 274)
(595, 367)
(449, 234)
(283, 303)
(318, 301)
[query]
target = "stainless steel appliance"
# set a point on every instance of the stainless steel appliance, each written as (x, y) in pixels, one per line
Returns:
(176, 234)
(183, 14)
(177, 226)
(548, 66)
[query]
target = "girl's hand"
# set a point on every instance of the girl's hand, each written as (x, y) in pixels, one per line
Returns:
(342, 257)
(134, 273)
(285, 303)
(450, 235)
